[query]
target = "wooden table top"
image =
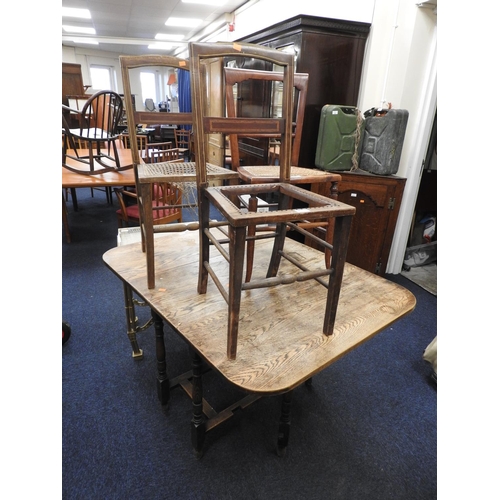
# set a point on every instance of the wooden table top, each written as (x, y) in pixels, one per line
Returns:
(280, 343)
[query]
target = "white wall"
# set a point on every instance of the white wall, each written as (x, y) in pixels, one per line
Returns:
(399, 67)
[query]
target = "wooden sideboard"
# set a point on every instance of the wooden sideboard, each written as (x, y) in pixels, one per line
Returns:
(377, 199)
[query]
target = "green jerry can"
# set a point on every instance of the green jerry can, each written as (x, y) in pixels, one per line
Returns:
(383, 140)
(339, 137)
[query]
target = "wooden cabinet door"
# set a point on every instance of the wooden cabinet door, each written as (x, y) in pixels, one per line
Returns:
(377, 200)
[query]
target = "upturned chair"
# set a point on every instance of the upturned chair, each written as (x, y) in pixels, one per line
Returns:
(173, 172)
(225, 198)
(99, 119)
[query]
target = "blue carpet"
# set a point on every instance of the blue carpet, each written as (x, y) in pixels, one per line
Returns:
(364, 430)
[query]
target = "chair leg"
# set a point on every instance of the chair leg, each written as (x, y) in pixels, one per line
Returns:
(279, 243)
(339, 253)
(252, 207)
(203, 210)
(237, 238)
(65, 221)
(147, 232)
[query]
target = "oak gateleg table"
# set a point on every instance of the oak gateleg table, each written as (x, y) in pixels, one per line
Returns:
(280, 341)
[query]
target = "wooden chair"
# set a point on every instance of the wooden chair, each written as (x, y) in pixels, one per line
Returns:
(225, 198)
(160, 151)
(236, 76)
(174, 172)
(99, 119)
(182, 141)
(166, 199)
(141, 140)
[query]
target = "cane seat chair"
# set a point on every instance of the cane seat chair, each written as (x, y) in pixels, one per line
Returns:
(99, 119)
(176, 172)
(225, 198)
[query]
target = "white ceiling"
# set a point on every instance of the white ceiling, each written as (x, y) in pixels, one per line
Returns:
(128, 26)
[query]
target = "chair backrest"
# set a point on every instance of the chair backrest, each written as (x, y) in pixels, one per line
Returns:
(162, 155)
(130, 66)
(163, 194)
(141, 141)
(238, 75)
(182, 137)
(103, 111)
(200, 55)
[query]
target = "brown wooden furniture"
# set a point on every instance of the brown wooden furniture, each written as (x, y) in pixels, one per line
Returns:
(377, 200)
(282, 345)
(331, 52)
(72, 85)
(73, 180)
(142, 142)
(164, 196)
(171, 172)
(162, 152)
(237, 76)
(183, 141)
(99, 119)
(224, 198)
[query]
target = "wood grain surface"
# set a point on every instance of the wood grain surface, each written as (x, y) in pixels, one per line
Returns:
(280, 342)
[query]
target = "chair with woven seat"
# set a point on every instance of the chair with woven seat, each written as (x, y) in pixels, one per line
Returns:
(174, 172)
(225, 198)
(99, 119)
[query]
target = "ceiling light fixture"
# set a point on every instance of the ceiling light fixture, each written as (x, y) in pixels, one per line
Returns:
(71, 12)
(183, 22)
(89, 41)
(162, 46)
(217, 3)
(78, 29)
(169, 36)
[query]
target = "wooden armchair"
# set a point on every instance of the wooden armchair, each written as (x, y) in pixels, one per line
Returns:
(166, 199)
(316, 208)
(99, 119)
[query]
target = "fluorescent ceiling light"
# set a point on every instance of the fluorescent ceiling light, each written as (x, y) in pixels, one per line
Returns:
(81, 13)
(169, 36)
(85, 40)
(183, 22)
(218, 3)
(78, 29)
(162, 46)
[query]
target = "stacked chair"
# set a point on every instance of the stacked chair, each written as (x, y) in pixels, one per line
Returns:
(225, 198)
(174, 171)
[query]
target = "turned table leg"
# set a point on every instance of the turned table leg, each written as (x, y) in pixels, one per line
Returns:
(198, 423)
(162, 381)
(285, 423)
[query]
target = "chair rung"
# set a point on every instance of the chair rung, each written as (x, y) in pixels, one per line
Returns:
(321, 242)
(286, 279)
(217, 282)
